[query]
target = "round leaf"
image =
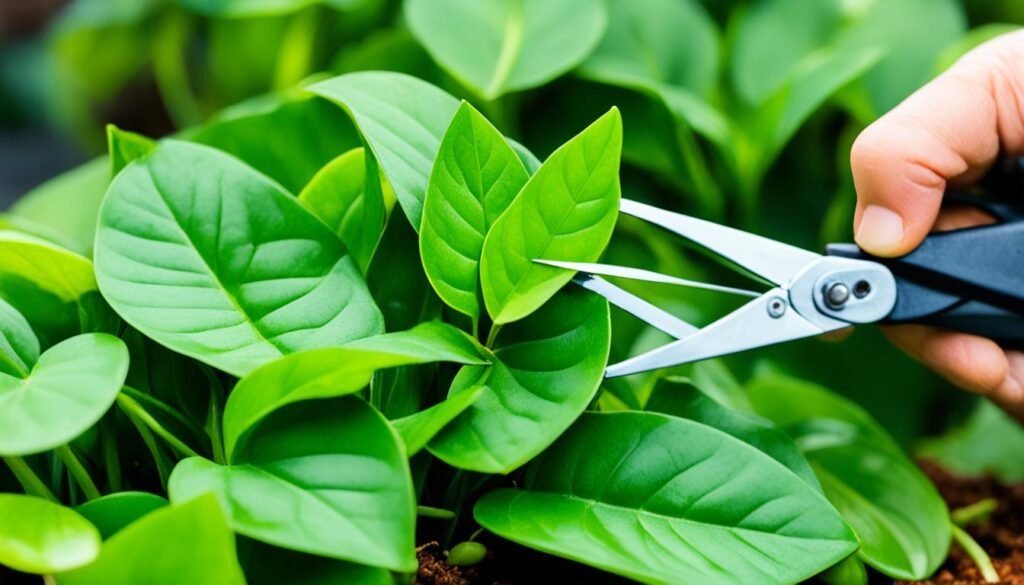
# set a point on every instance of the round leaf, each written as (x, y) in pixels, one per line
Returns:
(71, 386)
(546, 370)
(113, 512)
(52, 268)
(506, 45)
(38, 536)
(19, 347)
(215, 261)
(653, 497)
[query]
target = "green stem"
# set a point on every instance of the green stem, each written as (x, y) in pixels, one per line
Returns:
(79, 472)
(492, 335)
(28, 479)
(111, 458)
(439, 513)
(171, 72)
(162, 467)
(975, 513)
(476, 534)
(216, 432)
(295, 55)
(977, 554)
(128, 404)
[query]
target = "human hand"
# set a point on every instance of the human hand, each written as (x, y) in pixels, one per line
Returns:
(949, 132)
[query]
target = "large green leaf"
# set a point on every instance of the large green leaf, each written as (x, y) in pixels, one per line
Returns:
(419, 428)
(271, 565)
(988, 442)
(339, 197)
(657, 498)
(475, 177)
(397, 280)
(66, 392)
(19, 346)
(899, 516)
(123, 147)
(546, 371)
(217, 262)
(565, 212)
(53, 269)
(326, 477)
(113, 512)
(500, 46)
(38, 536)
(325, 373)
(188, 543)
(308, 132)
(402, 120)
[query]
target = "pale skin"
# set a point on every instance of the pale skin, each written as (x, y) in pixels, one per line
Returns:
(948, 133)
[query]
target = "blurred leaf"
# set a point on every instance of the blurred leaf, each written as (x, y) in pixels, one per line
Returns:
(19, 346)
(256, 8)
(501, 46)
(111, 513)
(972, 39)
(38, 536)
(387, 50)
(124, 147)
(989, 441)
(52, 268)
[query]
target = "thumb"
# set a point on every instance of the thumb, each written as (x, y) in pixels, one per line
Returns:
(951, 130)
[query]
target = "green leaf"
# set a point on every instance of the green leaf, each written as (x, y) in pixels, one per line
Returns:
(657, 43)
(188, 543)
(330, 372)
(988, 442)
(677, 397)
(113, 512)
(565, 212)
(506, 45)
(327, 477)
(418, 429)
(71, 386)
(901, 520)
(124, 147)
(260, 8)
(771, 39)
(547, 369)
(652, 497)
(53, 269)
(338, 196)
(397, 280)
(271, 565)
(215, 261)
(475, 177)
(19, 347)
(402, 120)
(308, 133)
(38, 536)
(69, 203)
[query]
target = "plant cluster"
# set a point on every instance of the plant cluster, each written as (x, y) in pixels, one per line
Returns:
(287, 344)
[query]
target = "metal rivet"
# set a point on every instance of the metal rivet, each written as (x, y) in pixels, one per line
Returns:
(836, 295)
(776, 307)
(861, 289)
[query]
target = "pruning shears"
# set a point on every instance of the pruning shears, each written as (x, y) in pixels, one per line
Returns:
(969, 280)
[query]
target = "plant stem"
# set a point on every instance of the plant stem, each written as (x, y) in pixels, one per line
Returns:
(439, 513)
(977, 554)
(492, 335)
(295, 53)
(128, 404)
(111, 458)
(476, 534)
(154, 448)
(28, 479)
(49, 580)
(170, 71)
(79, 472)
(975, 513)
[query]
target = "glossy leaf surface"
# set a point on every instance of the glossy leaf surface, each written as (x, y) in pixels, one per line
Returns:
(418, 429)
(113, 512)
(60, 272)
(215, 261)
(19, 347)
(38, 536)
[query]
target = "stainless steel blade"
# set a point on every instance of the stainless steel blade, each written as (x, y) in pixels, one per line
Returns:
(644, 275)
(634, 305)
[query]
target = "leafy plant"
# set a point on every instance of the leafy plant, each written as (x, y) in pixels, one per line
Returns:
(313, 322)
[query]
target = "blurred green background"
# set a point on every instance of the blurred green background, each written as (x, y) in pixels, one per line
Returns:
(157, 67)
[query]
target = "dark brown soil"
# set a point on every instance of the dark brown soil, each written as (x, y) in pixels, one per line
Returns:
(1002, 536)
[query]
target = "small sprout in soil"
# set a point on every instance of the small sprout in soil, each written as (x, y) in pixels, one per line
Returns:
(976, 553)
(976, 513)
(467, 554)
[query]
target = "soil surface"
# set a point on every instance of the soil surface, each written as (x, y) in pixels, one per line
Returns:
(1002, 536)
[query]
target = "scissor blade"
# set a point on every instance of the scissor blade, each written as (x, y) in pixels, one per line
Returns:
(748, 327)
(774, 261)
(645, 275)
(634, 305)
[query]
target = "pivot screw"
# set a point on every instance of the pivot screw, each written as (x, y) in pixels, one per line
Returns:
(776, 307)
(836, 295)
(861, 289)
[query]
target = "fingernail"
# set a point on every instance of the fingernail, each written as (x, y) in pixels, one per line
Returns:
(880, 231)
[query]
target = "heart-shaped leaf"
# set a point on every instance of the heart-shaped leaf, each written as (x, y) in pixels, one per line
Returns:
(402, 120)
(19, 347)
(215, 261)
(203, 551)
(38, 536)
(475, 177)
(506, 45)
(546, 371)
(67, 391)
(113, 512)
(339, 197)
(326, 477)
(325, 373)
(653, 497)
(565, 212)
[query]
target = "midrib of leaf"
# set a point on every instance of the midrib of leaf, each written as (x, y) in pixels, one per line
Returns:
(511, 45)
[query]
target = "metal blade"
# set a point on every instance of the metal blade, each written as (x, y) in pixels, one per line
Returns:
(645, 275)
(766, 320)
(774, 261)
(634, 305)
